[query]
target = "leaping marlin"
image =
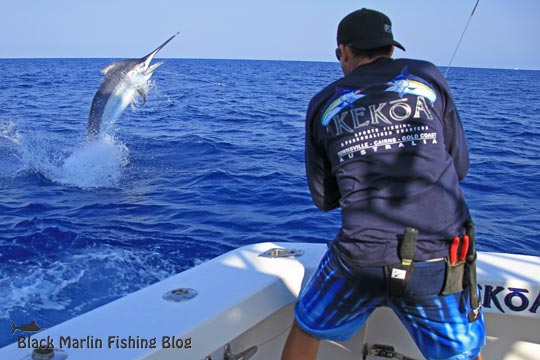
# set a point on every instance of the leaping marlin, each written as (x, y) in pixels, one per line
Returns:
(123, 79)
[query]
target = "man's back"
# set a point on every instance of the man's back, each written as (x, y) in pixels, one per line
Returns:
(396, 148)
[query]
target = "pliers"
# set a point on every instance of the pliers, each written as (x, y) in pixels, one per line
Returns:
(454, 247)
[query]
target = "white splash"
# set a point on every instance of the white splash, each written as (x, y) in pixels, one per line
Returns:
(89, 165)
(95, 164)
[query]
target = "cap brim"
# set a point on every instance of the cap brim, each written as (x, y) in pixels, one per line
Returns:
(398, 45)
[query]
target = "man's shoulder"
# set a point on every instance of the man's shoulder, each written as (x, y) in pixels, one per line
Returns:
(322, 96)
(415, 62)
(327, 91)
(419, 66)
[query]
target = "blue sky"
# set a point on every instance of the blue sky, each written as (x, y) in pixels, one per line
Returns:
(502, 34)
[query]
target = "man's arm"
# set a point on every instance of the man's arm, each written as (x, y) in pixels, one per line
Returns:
(454, 138)
(322, 183)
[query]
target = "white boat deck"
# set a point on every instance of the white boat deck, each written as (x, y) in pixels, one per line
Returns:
(246, 300)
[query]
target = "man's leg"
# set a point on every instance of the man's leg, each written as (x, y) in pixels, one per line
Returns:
(300, 345)
(334, 304)
(439, 324)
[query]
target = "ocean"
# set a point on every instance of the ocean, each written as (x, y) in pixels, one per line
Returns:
(213, 161)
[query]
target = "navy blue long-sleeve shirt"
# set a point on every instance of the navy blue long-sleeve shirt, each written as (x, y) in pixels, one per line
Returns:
(385, 143)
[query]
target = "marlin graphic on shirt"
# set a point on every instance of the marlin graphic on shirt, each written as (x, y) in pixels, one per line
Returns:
(406, 83)
(402, 84)
(340, 104)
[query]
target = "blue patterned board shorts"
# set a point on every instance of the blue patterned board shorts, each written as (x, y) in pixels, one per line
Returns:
(336, 303)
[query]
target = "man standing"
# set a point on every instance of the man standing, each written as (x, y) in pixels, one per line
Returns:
(385, 144)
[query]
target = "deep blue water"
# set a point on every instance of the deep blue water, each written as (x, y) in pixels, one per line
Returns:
(212, 161)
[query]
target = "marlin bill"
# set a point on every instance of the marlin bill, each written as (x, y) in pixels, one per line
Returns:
(123, 81)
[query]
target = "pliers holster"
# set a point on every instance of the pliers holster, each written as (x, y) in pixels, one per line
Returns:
(461, 268)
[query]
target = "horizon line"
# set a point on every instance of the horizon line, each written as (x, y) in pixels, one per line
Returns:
(238, 59)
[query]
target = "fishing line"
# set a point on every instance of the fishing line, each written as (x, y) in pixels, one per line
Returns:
(461, 38)
(288, 328)
(195, 78)
(201, 80)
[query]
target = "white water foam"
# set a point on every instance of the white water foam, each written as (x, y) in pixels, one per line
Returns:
(9, 132)
(102, 272)
(9, 143)
(95, 164)
(90, 165)
(41, 287)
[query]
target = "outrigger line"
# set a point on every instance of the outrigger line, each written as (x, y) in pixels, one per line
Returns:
(461, 38)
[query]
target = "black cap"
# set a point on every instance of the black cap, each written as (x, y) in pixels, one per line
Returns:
(366, 29)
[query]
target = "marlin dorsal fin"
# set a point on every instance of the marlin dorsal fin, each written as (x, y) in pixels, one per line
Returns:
(106, 69)
(404, 73)
(114, 65)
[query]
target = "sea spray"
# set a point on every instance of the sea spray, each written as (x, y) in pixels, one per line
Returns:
(95, 164)
(65, 161)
